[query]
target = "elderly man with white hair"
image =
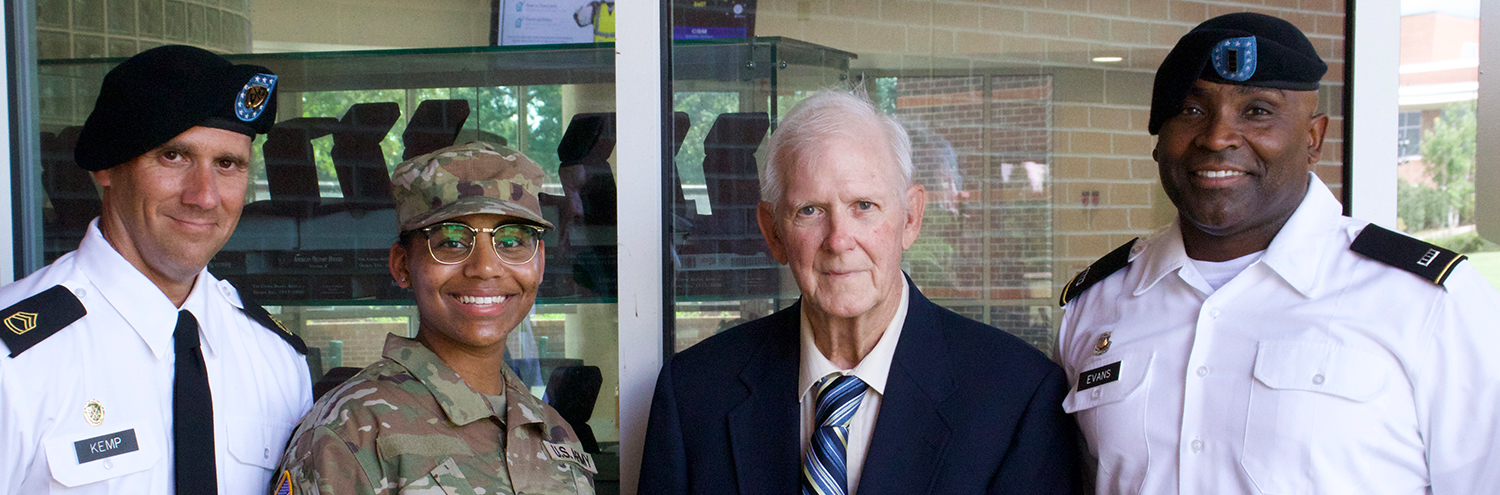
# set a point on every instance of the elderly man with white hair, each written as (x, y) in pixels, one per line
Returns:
(863, 385)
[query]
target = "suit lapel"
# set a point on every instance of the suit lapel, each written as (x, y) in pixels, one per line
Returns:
(911, 434)
(763, 430)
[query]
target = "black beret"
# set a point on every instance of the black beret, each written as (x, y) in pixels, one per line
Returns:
(162, 92)
(1245, 49)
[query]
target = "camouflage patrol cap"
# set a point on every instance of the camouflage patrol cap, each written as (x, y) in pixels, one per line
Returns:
(465, 179)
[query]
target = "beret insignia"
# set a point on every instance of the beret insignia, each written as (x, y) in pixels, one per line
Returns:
(253, 97)
(1234, 58)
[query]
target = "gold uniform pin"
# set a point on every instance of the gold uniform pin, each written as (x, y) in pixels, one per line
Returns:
(1101, 346)
(21, 322)
(93, 412)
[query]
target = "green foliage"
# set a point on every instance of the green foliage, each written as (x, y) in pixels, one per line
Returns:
(1468, 242)
(544, 126)
(702, 109)
(493, 117)
(1448, 149)
(885, 94)
(1420, 207)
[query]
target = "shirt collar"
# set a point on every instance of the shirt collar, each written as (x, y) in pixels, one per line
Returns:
(138, 300)
(460, 403)
(1293, 254)
(1311, 223)
(873, 369)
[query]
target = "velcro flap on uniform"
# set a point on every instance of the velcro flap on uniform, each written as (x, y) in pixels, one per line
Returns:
(80, 457)
(1320, 367)
(562, 452)
(1107, 379)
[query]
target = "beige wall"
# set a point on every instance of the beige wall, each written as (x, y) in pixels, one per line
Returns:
(316, 24)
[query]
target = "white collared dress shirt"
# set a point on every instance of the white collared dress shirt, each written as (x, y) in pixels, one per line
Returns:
(119, 360)
(872, 370)
(1315, 370)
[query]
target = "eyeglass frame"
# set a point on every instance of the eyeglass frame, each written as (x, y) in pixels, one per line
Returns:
(427, 237)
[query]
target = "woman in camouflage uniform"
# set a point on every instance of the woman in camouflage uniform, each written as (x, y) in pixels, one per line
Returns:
(442, 413)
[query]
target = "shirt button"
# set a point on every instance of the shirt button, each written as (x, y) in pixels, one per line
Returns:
(1197, 446)
(1094, 394)
(267, 454)
(1202, 371)
(1317, 379)
(108, 464)
(1213, 312)
(81, 292)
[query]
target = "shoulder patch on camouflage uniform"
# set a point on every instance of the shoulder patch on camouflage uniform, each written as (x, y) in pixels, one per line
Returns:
(1414, 255)
(260, 315)
(1100, 270)
(32, 320)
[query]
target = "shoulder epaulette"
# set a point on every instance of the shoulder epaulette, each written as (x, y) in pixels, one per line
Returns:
(260, 315)
(1424, 259)
(1100, 270)
(32, 320)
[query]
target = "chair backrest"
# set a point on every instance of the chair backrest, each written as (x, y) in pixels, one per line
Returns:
(433, 126)
(357, 156)
(573, 390)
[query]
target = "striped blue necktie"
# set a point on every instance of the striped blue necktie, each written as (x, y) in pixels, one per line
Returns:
(823, 469)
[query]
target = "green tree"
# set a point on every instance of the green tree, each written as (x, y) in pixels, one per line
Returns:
(1448, 150)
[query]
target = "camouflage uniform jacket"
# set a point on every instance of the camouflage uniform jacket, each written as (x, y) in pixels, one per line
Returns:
(408, 424)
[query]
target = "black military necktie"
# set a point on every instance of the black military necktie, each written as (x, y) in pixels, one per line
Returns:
(192, 414)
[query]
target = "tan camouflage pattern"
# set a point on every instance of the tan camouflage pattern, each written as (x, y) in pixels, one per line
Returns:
(409, 425)
(464, 179)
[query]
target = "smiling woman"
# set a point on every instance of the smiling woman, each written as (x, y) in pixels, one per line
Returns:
(471, 252)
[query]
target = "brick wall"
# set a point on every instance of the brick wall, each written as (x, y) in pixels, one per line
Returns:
(1008, 246)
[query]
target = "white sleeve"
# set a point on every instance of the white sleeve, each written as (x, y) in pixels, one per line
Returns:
(1457, 385)
(17, 447)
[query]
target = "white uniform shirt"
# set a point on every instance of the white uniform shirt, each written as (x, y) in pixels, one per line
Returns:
(1314, 371)
(873, 370)
(121, 355)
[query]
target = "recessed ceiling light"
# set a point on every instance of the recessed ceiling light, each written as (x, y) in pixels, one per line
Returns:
(1106, 60)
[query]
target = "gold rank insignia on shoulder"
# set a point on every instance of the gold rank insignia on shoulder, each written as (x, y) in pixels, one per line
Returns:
(21, 322)
(284, 483)
(24, 325)
(1101, 346)
(93, 412)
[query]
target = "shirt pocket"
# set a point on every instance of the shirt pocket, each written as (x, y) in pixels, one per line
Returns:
(254, 442)
(1306, 395)
(1111, 412)
(80, 457)
(446, 478)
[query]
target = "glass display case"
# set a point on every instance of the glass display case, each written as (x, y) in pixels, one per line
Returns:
(314, 236)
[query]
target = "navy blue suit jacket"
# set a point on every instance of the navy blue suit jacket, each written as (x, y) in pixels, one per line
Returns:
(968, 408)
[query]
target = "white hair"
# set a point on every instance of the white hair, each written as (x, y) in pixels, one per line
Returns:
(822, 115)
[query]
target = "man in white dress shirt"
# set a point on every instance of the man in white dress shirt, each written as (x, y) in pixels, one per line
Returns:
(864, 385)
(127, 367)
(1263, 342)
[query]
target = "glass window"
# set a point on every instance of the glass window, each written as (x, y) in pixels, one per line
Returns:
(1438, 126)
(1028, 124)
(363, 87)
(1409, 135)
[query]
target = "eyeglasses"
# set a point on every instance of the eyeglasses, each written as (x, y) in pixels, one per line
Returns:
(450, 242)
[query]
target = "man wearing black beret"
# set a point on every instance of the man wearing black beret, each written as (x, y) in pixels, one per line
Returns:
(127, 367)
(1263, 342)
